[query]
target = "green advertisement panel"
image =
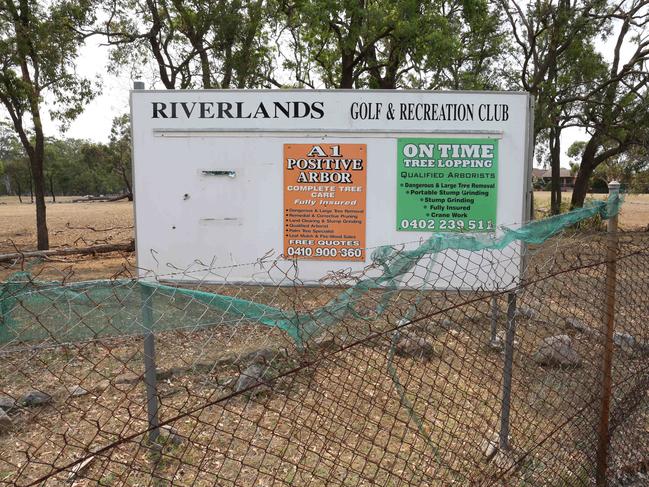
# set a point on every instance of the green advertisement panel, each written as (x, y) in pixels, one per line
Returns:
(447, 184)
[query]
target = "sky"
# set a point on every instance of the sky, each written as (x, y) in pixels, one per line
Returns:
(95, 122)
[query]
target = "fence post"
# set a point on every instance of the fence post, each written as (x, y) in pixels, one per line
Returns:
(4, 315)
(507, 371)
(609, 319)
(494, 319)
(150, 380)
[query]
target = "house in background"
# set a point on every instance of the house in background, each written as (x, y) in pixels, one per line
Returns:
(542, 178)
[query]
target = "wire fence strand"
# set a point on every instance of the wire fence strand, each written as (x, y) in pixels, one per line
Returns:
(429, 376)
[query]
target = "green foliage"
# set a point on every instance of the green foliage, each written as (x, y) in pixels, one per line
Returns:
(39, 44)
(390, 44)
(193, 44)
(72, 167)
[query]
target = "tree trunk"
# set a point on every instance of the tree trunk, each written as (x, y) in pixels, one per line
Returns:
(555, 165)
(586, 168)
(19, 191)
(97, 249)
(43, 241)
(129, 189)
(347, 73)
(51, 181)
(31, 183)
(580, 190)
(36, 159)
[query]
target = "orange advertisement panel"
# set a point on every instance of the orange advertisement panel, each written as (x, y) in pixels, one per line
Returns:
(324, 201)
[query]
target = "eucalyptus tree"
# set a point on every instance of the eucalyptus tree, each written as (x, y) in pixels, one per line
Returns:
(555, 60)
(39, 44)
(387, 43)
(615, 113)
(192, 44)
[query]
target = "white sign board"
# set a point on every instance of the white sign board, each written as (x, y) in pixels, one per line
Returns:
(224, 177)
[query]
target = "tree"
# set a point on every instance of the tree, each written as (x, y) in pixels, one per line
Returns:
(627, 167)
(388, 43)
(463, 49)
(336, 37)
(558, 65)
(16, 174)
(196, 43)
(39, 42)
(616, 114)
(120, 151)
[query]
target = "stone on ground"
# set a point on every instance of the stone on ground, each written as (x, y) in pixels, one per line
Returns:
(577, 324)
(77, 391)
(170, 435)
(413, 346)
(5, 421)
(625, 341)
(35, 398)
(250, 377)
(527, 312)
(557, 351)
(7, 403)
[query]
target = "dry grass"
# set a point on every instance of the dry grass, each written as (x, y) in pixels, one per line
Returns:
(82, 224)
(337, 421)
(635, 209)
(70, 225)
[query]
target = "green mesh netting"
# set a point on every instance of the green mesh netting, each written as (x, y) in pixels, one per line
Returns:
(32, 310)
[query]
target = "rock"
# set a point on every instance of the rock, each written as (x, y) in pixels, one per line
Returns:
(5, 421)
(166, 373)
(101, 386)
(413, 346)
(170, 435)
(77, 391)
(447, 324)
(35, 398)
(497, 344)
(557, 351)
(250, 377)
(505, 460)
(625, 341)
(126, 378)
(324, 341)
(7, 403)
(261, 356)
(578, 325)
(502, 337)
(490, 446)
(527, 312)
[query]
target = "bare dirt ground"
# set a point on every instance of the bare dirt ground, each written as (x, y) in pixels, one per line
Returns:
(70, 225)
(84, 224)
(334, 416)
(340, 419)
(634, 215)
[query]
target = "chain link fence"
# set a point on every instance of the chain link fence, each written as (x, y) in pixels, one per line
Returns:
(399, 375)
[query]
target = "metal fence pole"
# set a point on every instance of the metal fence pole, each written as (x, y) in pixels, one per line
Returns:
(149, 363)
(494, 319)
(609, 320)
(4, 316)
(507, 371)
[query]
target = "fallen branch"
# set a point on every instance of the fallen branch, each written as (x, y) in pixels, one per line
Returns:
(86, 199)
(96, 249)
(88, 227)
